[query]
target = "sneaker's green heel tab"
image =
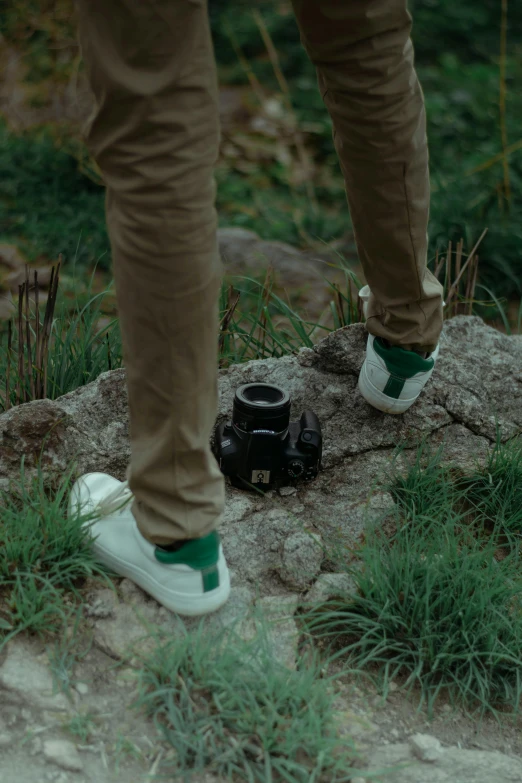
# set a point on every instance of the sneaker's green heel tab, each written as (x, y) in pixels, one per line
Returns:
(199, 553)
(402, 363)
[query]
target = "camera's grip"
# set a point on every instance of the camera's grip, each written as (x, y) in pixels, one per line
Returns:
(310, 421)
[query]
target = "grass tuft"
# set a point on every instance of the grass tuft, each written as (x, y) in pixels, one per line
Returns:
(495, 491)
(69, 349)
(439, 598)
(426, 487)
(45, 555)
(229, 708)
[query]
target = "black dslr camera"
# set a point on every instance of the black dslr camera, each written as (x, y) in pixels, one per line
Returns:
(260, 448)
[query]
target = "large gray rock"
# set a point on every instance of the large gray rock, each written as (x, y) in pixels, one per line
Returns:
(477, 383)
(443, 765)
(129, 624)
(303, 273)
(303, 555)
(330, 586)
(476, 387)
(88, 427)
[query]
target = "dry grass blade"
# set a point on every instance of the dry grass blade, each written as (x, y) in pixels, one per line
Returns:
(454, 287)
(109, 360)
(338, 302)
(473, 286)
(30, 377)
(458, 258)
(8, 369)
(515, 147)
(458, 267)
(232, 303)
(447, 282)
(454, 272)
(48, 322)
(32, 357)
(37, 325)
(267, 290)
(40, 394)
(20, 344)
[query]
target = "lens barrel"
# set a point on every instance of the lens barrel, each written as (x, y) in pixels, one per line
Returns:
(261, 406)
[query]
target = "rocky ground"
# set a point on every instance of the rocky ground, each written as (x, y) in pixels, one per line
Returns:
(276, 567)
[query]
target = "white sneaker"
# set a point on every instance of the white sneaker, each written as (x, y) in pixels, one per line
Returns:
(391, 378)
(193, 580)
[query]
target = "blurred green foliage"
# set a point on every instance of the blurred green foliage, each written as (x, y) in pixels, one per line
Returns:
(458, 54)
(47, 206)
(45, 200)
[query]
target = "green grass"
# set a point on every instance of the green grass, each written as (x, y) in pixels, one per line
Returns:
(426, 487)
(83, 726)
(47, 206)
(45, 555)
(80, 349)
(64, 653)
(495, 491)
(439, 590)
(258, 325)
(231, 709)
(457, 55)
(49, 197)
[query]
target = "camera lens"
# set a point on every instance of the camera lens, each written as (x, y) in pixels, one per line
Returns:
(261, 406)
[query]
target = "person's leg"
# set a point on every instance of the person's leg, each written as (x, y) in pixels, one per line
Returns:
(155, 137)
(364, 59)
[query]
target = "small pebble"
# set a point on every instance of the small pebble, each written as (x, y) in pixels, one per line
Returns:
(63, 753)
(287, 492)
(425, 747)
(82, 688)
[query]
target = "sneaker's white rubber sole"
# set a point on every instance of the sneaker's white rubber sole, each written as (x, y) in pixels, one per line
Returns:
(377, 399)
(181, 603)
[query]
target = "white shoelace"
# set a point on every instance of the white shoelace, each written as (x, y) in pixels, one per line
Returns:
(117, 500)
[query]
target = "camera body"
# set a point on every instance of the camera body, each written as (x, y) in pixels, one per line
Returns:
(260, 447)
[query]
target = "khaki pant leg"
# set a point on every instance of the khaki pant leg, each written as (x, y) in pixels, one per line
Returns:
(364, 59)
(155, 137)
